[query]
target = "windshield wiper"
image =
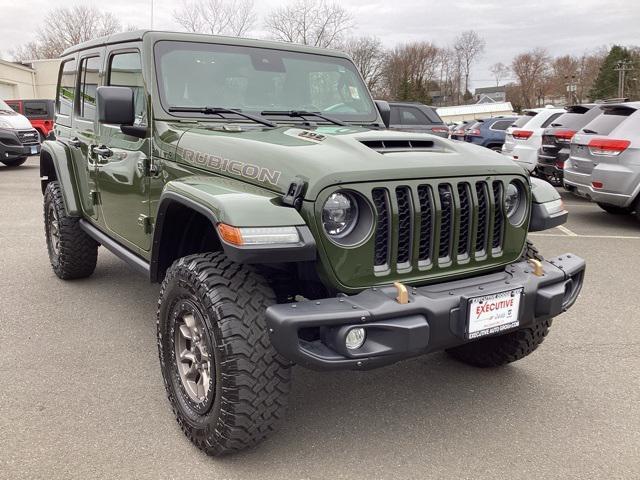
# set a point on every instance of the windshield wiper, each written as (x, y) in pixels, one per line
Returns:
(221, 110)
(304, 113)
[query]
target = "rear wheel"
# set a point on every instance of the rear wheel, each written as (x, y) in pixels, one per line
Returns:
(613, 209)
(72, 253)
(507, 348)
(227, 385)
(15, 162)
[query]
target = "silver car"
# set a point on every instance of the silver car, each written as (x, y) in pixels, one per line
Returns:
(604, 163)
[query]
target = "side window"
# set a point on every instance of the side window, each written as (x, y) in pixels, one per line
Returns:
(412, 116)
(35, 109)
(66, 88)
(550, 120)
(501, 125)
(125, 70)
(89, 70)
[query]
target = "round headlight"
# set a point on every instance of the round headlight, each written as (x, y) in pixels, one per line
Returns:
(339, 214)
(514, 200)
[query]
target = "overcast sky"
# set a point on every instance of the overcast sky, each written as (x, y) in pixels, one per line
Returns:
(509, 27)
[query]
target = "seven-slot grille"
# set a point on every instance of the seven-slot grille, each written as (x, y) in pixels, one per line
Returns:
(443, 223)
(28, 137)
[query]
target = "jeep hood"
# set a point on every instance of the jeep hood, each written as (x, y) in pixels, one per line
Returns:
(326, 156)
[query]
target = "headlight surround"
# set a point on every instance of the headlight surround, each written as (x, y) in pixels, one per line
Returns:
(515, 202)
(340, 214)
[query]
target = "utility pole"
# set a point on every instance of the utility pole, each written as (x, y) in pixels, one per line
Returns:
(622, 67)
(572, 87)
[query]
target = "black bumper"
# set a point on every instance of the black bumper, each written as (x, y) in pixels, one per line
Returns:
(312, 333)
(11, 147)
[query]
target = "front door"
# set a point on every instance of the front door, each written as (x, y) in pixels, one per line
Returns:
(123, 183)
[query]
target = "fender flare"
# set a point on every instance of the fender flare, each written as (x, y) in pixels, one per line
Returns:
(547, 210)
(56, 154)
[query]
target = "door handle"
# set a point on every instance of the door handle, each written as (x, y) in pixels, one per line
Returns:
(75, 142)
(102, 151)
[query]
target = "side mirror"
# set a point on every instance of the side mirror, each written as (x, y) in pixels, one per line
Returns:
(116, 106)
(385, 111)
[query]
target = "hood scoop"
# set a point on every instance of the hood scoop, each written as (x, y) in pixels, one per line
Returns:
(397, 145)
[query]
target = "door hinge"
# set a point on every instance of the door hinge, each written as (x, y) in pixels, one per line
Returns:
(146, 223)
(94, 196)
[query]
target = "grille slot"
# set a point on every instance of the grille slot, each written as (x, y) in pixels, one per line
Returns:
(405, 218)
(426, 223)
(446, 220)
(464, 239)
(498, 216)
(483, 218)
(381, 203)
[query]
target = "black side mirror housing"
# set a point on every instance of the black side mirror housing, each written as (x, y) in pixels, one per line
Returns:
(116, 107)
(385, 111)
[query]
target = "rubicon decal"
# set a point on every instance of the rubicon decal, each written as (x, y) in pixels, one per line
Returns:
(234, 167)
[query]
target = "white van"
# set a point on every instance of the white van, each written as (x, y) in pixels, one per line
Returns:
(18, 139)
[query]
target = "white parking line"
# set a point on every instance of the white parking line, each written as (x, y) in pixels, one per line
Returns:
(612, 237)
(566, 231)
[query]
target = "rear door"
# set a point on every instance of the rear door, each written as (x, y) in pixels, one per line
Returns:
(122, 177)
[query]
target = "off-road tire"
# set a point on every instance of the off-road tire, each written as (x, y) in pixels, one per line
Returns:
(15, 162)
(507, 348)
(77, 253)
(613, 209)
(250, 381)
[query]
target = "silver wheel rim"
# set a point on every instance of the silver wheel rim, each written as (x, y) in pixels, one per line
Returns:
(54, 231)
(192, 357)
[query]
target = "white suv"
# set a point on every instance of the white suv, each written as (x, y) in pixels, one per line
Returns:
(524, 137)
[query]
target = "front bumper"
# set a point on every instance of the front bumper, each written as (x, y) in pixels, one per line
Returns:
(311, 333)
(11, 147)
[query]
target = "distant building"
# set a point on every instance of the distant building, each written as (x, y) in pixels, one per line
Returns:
(475, 111)
(27, 80)
(489, 94)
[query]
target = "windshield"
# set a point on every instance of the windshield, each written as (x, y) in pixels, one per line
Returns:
(4, 107)
(258, 79)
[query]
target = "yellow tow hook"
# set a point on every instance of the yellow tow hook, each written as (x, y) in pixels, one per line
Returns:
(538, 270)
(403, 294)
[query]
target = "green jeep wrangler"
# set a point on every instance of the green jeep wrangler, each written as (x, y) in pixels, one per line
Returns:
(257, 182)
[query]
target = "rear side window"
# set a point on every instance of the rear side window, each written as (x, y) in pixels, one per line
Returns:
(550, 120)
(412, 116)
(125, 70)
(66, 88)
(608, 121)
(501, 124)
(89, 69)
(432, 115)
(14, 105)
(36, 110)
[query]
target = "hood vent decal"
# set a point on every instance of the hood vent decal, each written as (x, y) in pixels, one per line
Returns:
(387, 146)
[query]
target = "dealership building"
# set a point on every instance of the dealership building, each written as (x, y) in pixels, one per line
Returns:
(28, 80)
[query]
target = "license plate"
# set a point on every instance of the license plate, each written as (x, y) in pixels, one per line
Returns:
(34, 150)
(493, 313)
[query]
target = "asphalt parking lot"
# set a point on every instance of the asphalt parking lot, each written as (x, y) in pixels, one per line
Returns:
(81, 394)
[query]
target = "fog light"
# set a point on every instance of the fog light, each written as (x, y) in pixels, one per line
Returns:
(355, 338)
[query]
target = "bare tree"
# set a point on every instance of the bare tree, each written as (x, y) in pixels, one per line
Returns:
(216, 17)
(310, 22)
(368, 55)
(500, 72)
(64, 27)
(468, 47)
(531, 69)
(411, 71)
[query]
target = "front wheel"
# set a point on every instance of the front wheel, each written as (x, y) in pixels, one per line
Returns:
(509, 347)
(227, 385)
(15, 162)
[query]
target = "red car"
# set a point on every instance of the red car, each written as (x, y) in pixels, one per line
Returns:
(39, 112)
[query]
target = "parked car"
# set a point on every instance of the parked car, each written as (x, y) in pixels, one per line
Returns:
(39, 112)
(416, 117)
(604, 160)
(556, 140)
(458, 131)
(348, 246)
(524, 138)
(18, 139)
(489, 132)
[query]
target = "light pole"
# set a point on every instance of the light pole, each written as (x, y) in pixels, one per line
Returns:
(622, 67)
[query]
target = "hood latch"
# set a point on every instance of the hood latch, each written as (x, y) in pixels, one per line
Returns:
(295, 193)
